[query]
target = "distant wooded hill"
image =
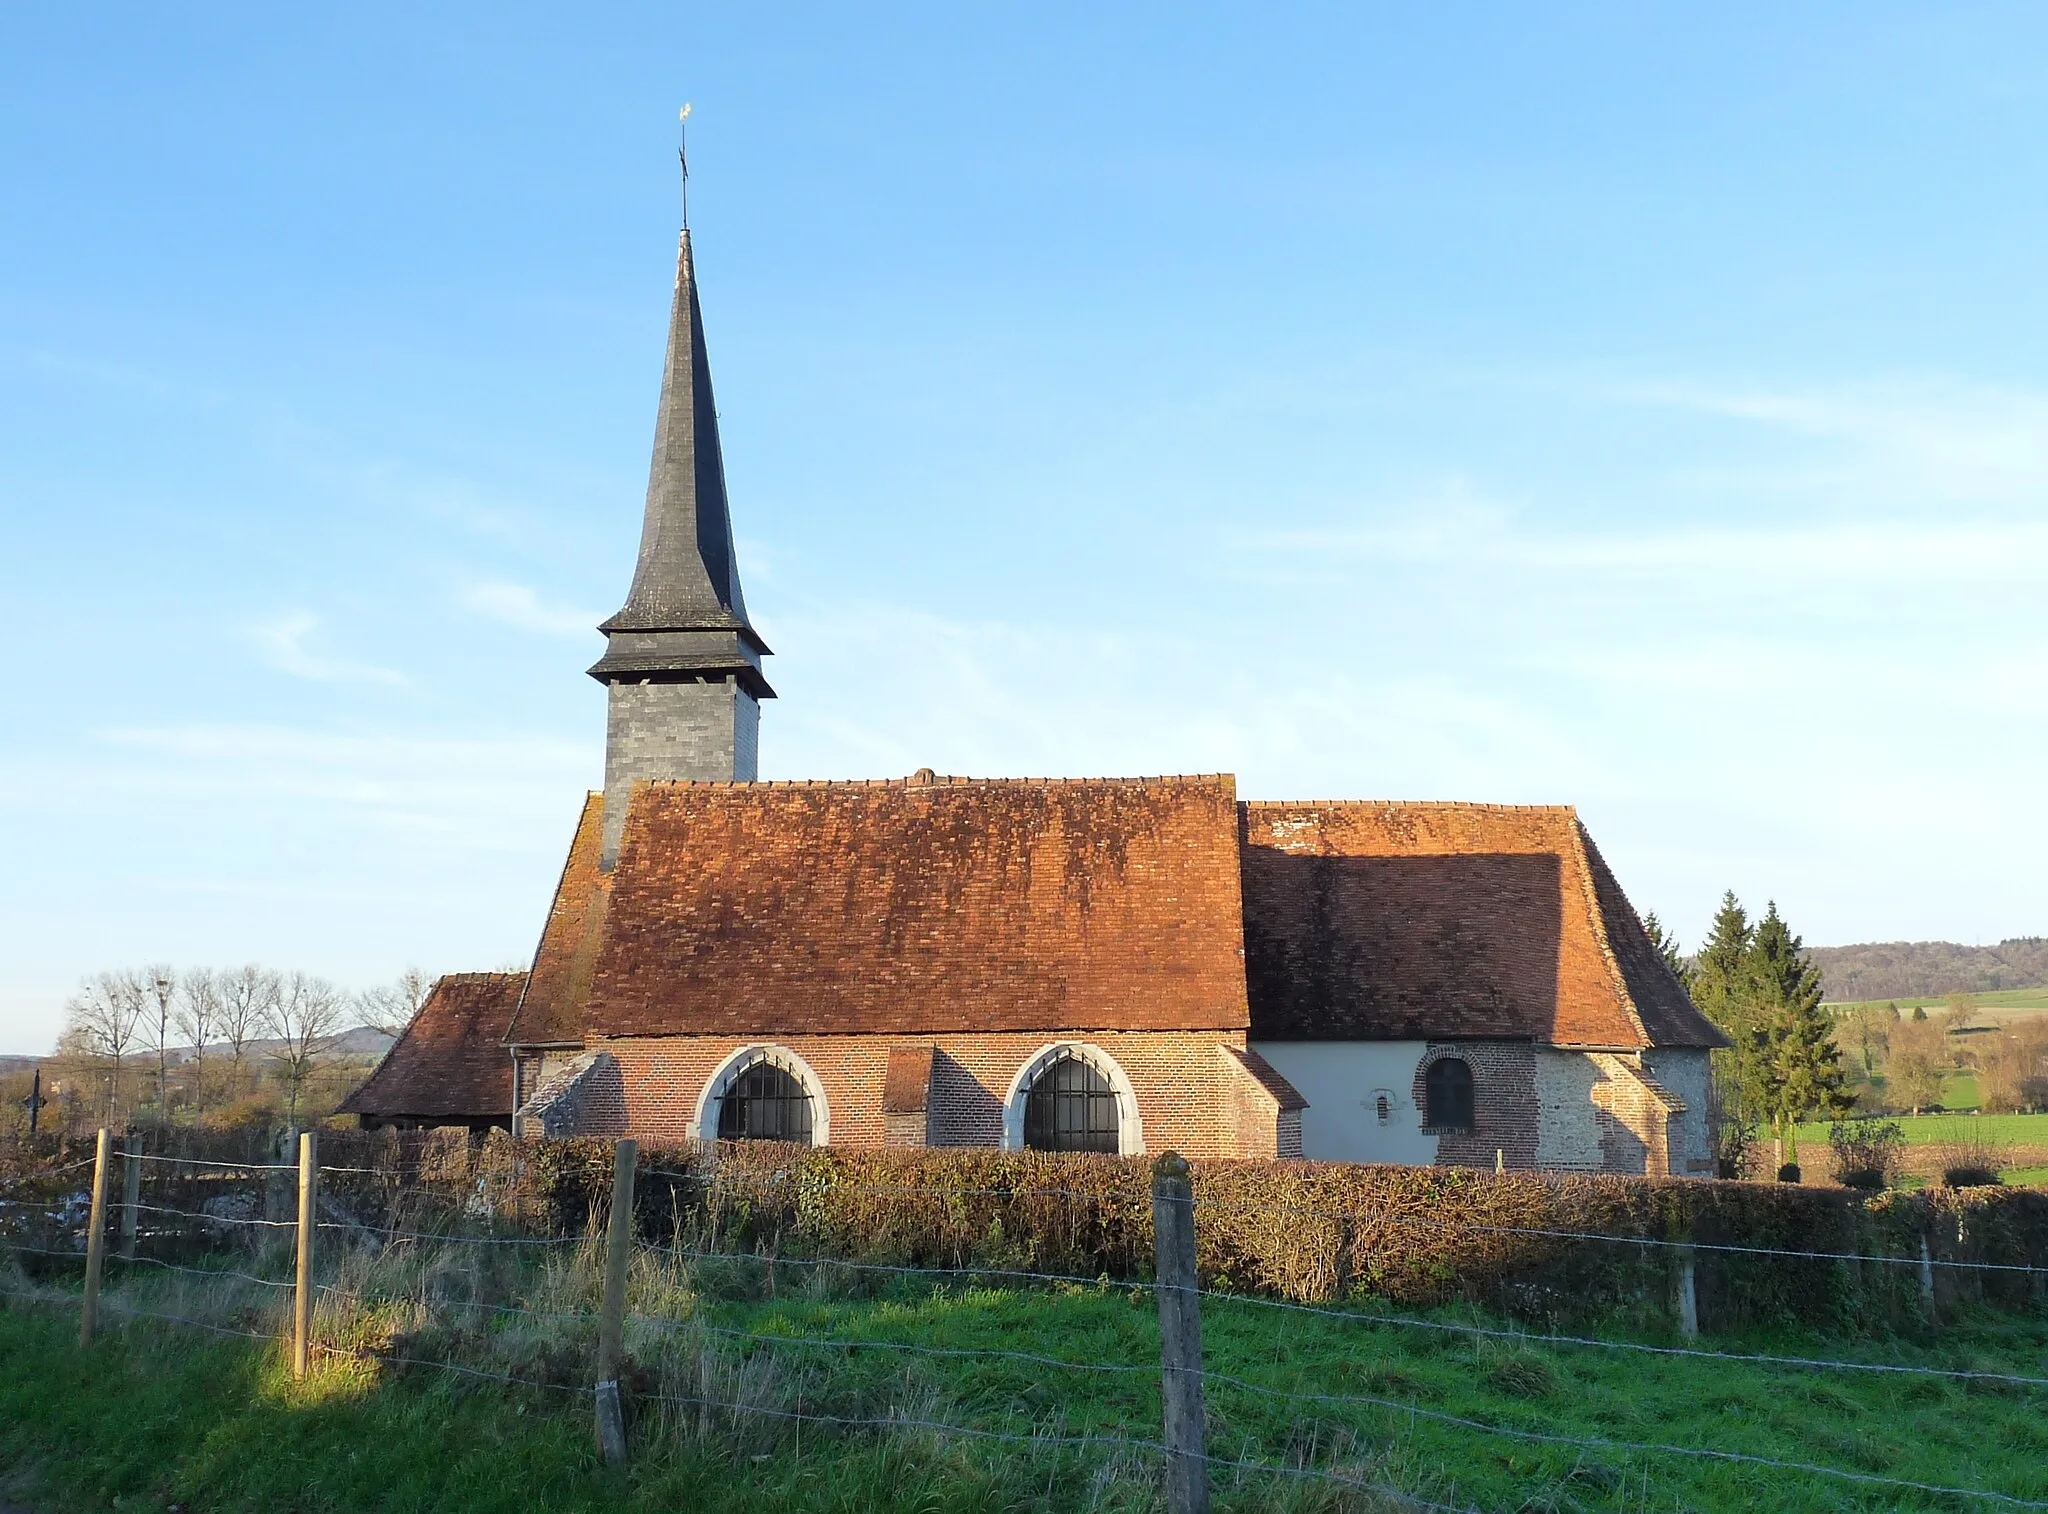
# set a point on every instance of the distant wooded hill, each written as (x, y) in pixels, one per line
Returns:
(363, 1041)
(1929, 969)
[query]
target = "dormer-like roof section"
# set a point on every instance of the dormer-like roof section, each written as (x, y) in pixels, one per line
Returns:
(920, 906)
(1432, 921)
(449, 1063)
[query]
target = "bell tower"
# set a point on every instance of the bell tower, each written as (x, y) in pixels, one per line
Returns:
(682, 664)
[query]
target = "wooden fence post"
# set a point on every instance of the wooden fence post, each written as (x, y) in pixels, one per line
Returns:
(131, 1200)
(1926, 1279)
(302, 1301)
(611, 1324)
(1688, 1295)
(1180, 1336)
(96, 1237)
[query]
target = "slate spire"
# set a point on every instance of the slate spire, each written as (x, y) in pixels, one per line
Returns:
(682, 663)
(685, 615)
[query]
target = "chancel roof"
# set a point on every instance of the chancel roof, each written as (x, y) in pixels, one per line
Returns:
(449, 1063)
(922, 905)
(1443, 921)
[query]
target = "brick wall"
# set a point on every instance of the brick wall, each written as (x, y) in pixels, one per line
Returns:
(1504, 1105)
(1263, 1128)
(1633, 1121)
(1187, 1096)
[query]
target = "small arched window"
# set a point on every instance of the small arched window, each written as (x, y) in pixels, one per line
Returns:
(1447, 1095)
(1383, 1108)
(765, 1103)
(1070, 1107)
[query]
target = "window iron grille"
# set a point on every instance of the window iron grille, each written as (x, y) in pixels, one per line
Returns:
(1071, 1107)
(765, 1103)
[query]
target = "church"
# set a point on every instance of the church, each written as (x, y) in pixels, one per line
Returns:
(1070, 964)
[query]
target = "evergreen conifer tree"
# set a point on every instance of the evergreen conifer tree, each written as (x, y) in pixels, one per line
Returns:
(1800, 1066)
(1718, 965)
(1667, 948)
(1720, 987)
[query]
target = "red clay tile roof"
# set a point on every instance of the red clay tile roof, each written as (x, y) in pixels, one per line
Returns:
(907, 1081)
(448, 1064)
(911, 907)
(1437, 921)
(551, 1010)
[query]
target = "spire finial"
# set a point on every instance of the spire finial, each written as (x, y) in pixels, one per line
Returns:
(683, 157)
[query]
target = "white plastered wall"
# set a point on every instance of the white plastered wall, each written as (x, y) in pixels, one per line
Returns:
(1343, 1082)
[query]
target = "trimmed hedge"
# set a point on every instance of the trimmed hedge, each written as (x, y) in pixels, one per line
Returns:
(1547, 1247)
(1542, 1246)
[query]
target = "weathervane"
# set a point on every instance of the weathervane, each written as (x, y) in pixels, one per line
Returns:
(683, 157)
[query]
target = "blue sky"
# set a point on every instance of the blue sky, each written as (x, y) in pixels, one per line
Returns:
(1633, 406)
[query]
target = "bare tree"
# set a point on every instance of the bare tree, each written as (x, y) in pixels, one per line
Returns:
(302, 1017)
(198, 1020)
(100, 1024)
(391, 1006)
(159, 990)
(246, 994)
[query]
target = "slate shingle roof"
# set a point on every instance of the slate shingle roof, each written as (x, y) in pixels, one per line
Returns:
(1442, 921)
(449, 1064)
(908, 907)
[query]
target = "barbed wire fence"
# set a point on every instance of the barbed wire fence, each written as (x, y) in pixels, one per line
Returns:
(348, 1265)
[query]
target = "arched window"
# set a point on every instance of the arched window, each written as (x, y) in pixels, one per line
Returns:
(1447, 1095)
(765, 1103)
(1070, 1107)
(1383, 1107)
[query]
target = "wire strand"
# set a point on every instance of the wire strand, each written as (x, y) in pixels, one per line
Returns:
(826, 1261)
(1137, 1198)
(1041, 1438)
(990, 1353)
(1602, 1443)
(118, 1307)
(215, 1219)
(415, 1361)
(144, 1156)
(1527, 1336)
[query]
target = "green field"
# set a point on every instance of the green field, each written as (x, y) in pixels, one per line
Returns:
(1928, 1129)
(2003, 998)
(156, 1416)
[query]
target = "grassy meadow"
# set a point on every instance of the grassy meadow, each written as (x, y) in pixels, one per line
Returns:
(156, 1415)
(1935, 1129)
(2027, 1000)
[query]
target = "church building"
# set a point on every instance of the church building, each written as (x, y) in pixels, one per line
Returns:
(1091, 964)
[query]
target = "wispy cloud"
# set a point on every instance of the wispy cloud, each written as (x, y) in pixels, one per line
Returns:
(1860, 553)
(466, 788)
(283, 644)
(517, 605)
(1460, 529)
(1926, 442)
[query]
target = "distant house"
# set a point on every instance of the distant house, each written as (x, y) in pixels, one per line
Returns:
(1071, 964)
